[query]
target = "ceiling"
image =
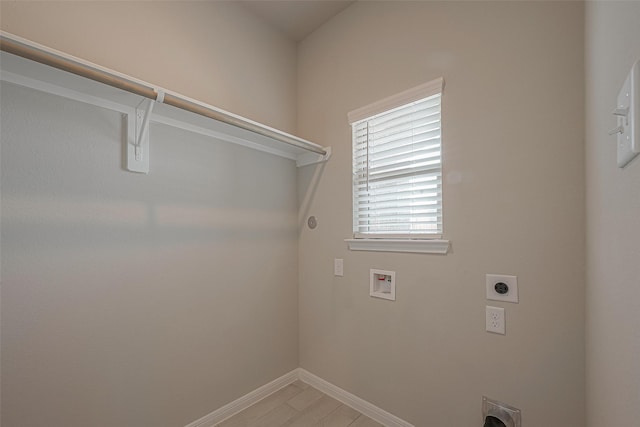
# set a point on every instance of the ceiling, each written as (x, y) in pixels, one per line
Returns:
(297, 18)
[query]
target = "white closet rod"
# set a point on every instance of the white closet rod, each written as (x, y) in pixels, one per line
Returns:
(32, 51)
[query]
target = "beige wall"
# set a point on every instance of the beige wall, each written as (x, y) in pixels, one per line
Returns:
(145, 300)
(613, 236)
(84, 326)
(205, 50)
(513, 204)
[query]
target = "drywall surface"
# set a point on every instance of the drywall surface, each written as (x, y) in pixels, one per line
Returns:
(216, 52)
(613, 236)
(513, 135)
(135, 300)
(138, 300)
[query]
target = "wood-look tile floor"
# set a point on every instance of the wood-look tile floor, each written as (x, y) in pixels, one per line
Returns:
(299, 405)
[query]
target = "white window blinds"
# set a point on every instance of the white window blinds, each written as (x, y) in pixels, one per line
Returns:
(397, 174)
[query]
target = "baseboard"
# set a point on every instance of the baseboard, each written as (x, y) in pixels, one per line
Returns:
(245, 401)
(369, 409)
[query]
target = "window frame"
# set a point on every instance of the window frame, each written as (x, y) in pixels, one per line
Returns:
(388, 242)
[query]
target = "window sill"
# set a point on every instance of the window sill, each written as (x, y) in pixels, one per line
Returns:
(434, 246)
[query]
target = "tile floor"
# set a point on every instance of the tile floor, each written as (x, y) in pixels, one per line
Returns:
(299, 405)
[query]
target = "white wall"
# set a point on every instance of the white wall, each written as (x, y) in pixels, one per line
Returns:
(513, 204)
(145, 300)
(613, 236)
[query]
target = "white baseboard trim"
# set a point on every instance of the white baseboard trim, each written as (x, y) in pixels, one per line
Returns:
(369, 409)
(245, 401)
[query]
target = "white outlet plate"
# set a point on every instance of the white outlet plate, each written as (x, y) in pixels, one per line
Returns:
(510, 281)
(495, 320)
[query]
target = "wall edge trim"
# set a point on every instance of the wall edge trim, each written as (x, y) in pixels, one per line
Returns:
(366, 408)
(242, 403)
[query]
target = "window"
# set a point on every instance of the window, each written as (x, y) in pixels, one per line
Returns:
(397, 173)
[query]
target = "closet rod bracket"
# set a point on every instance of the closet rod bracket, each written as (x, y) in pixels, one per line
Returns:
(138, 138)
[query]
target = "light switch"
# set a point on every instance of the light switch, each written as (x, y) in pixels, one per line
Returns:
(627, 112)
(338, 267)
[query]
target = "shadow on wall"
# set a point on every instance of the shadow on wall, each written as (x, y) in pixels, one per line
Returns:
(308, 187)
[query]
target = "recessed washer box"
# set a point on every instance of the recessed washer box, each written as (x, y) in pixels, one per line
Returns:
(382, 284)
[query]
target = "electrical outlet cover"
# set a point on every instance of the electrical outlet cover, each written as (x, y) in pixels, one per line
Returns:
(495, 320)
(512, 283)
